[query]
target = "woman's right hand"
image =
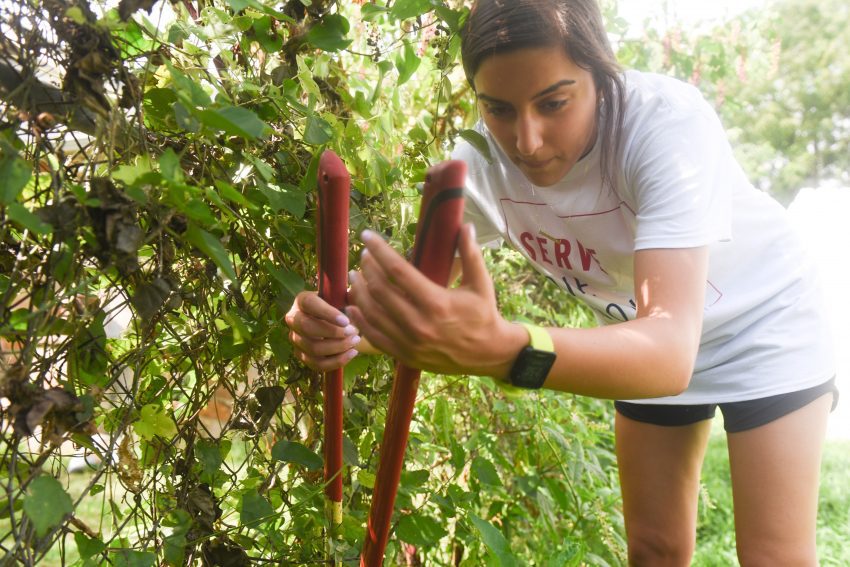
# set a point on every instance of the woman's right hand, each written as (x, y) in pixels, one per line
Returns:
(323, 337)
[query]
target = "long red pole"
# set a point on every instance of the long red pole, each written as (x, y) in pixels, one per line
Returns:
(440, 219)
(332, 235)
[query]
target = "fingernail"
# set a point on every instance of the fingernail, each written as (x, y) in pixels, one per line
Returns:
(367, 235)
(342, 320)
(472, 232)
(352, 276)
(350, 330)
(351, 354)
(364, 253)
(355, 340)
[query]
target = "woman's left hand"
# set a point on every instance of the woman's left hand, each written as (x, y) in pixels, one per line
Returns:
(423, 325)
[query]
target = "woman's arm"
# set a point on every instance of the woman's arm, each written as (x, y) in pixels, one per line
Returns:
(460, 331)
(652, 355)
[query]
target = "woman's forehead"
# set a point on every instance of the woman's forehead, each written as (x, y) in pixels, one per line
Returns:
(533, 71)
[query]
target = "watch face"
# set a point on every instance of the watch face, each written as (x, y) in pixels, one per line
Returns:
(531, 368)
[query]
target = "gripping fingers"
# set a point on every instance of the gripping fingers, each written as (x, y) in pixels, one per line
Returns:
(376, 338)
(304, 325)
(328, 363)
(385, 288)
(310, 316)
(324, 347)
(394, 267)
(369, 316)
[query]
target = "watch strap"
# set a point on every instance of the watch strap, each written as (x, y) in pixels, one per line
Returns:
(535, 360)
(540, 339)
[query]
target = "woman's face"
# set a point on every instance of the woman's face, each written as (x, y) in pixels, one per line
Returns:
(541, 108)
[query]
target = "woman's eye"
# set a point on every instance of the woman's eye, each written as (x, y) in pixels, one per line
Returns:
(553, 105)
(497, 110)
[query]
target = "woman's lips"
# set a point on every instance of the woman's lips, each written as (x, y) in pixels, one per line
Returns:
(535, 164)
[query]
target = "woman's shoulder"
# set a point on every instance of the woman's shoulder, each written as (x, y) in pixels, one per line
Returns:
(647, 94)
(661, 109)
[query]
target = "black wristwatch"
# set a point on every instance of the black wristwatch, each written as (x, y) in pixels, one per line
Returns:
(534, 362)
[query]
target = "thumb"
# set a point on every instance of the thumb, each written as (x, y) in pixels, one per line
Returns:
(474, 269)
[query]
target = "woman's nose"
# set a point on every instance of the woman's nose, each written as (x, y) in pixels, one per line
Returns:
(529, 135)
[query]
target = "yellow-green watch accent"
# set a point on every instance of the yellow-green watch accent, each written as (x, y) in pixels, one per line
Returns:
(540, 337)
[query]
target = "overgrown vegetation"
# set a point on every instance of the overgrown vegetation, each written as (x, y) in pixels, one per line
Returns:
(156, 221)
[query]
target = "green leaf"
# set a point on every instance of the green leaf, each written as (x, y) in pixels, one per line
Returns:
(294, 452)
(46, 504)
(485, 471)
(407, 63)
(154, 421)
(129, 174)
(254, 509)
(191, 90)
(15, 173)
(21, 215)
(453, 18)
(478, 142)
(357, 366)
(317, 131)
(291, 200)
(266, 36)
(494, 540)
(349, 452)
(370, 11)
(209, 458)
(230, 193)
(414, 479)
(572, 556)
(310, 86)
(265, 170)
(280, 345)
(404, 9)
(174, 544)
(289, 280)
(420, 530)
(366, 479)
(311, 177)
(238, 5)
(212, 247)
(184, 118)
(329, 34)
(233, 120)
(133, 558)
(75, 14)
(86, 546)
(169, 166)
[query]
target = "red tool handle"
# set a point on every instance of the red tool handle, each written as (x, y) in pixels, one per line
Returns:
(332, 235)
(436, 239)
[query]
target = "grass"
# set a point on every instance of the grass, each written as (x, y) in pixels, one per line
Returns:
(715, 532)
(715, 537)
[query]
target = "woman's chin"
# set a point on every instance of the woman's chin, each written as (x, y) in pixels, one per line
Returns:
(543, 177)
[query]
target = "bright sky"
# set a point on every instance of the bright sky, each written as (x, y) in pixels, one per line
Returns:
(685, 11)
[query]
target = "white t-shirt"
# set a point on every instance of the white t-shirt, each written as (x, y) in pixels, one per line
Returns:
(764, 330)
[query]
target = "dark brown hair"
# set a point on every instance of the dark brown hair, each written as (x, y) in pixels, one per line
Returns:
(501, 26)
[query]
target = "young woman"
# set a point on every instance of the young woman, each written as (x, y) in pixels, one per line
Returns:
(623, 190)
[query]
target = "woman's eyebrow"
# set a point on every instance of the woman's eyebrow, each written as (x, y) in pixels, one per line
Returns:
(552, 88)
(548, 90)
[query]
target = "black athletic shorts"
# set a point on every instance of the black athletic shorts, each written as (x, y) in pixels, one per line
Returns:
(737, 416)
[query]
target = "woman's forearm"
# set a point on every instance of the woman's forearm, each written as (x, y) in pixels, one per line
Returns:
(643, 358)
